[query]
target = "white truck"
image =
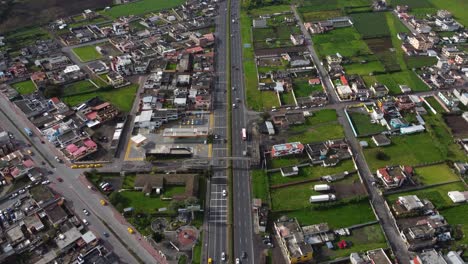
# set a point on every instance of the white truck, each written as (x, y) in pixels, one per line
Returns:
(322, 187)
(322, 198)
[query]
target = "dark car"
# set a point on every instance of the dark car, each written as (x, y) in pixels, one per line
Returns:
(59, 179)
(244, 254)
(105, 234)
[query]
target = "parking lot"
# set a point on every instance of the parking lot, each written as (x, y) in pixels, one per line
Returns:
(155, 138)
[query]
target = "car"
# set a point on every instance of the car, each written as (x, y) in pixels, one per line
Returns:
(304, 107)
(74, 166)
(233, 88)
(288, 108)
(224, 193)
(274, 110)
(297, 107)
(43, 162)
(45, 182)
(29, 152)
(59, 179)
(91, 187)
(234, 106)
(21, 191)
(105, 234)
(13, 195)
(42, 141)
(244, 254)
(216, 136)
(85, 222)
(238, 99)
(237, 261)
(223, 256)
(85, 212)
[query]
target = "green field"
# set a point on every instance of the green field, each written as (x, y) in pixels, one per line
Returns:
(302, 88)
(309, 173)
(319, 5)
(256, 100)
(282, 199)
(279, 34)
(336, 217)
(437, 195)
(270, 9)
(420, 61)
(430, 146)
(457, 216)
(411, 3)
(121, 97)
(393, 80)
(435, 104)
(309, 16)
(457, 7)
(363, 126)
(140, 202)
(87, 53)
(378, 27)
(141, 7)
(79, 87)
(364, 68)
(436, 174)
(260, 185)
(318, 133)
(18, 39)
(287, 99)
(362, 239)
(346, 41)
(25, 87)
(87, 22)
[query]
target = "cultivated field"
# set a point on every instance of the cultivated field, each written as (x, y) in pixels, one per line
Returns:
(377, 28)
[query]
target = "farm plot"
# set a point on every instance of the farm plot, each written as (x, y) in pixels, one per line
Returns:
(362, 124)
(457, 125)
(25, 87)
(383, 50)
(311, 16)
(364, 68)
(437, 195)
(393, 80)
(420, 61)
(273, 37)
(371, 25)
(333, 42)
(435, 104)
(435, 174)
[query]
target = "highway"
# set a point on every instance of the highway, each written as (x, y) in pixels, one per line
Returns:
(74, 189)
(243, 225)
(396, 243)
(216, 218)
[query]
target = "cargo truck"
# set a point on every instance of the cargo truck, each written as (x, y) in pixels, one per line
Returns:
(322, 187)
(322, 198)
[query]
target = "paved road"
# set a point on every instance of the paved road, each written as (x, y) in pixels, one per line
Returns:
(216, 203)
(74, 189)
(243, 227)
(399, 248)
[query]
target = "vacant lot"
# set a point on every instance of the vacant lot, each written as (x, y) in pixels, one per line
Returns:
(336, 217)
(457, 216)
(420, 61)
(79, 87)
(121, 97)
(256, 100)
(318, 133)
(457, 125)
(260, 185)
(436, 174)
(141, 7)
(87, 53)
(364, 68)
(437, 195)
(333, 42)
(282, 199)
(378, 27)
(393, 80)
(278, 36)
(311, 173)
(363, 126)
(25, 87)
(310, 16)
(302, 88)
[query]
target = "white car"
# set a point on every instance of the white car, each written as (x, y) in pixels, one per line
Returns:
(223, 256)
(224, 193)
(85, 222)
(85, 212)
(45, 182)
(237, 261)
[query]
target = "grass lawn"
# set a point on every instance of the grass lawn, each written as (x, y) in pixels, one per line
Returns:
(364, 68)
(437, 195)
(393, 80)
(79, 87)
(436, 174)
(143, 203)
(315, 172)
(420, 61)
(25, 87)
(260, 185)
(363, 239)
(435, 104)
(287, 99)
(363, 126)
(282, 199)
(87, 53)
(172, 190)
(378, 27)
(141, 7)
(287, 161)
(457, 7)
(87, 22)
(332, 42)
(197, 250)
(457, 216)
(121, 97)
(302, 88)
(256, 100)
(336, 217)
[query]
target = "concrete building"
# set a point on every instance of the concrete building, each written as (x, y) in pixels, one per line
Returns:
(291, 241)
(286, 149)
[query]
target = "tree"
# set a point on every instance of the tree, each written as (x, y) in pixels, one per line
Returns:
(158, 237)
(382, 156)
(191, 201)
(52, 91)
(175, 204)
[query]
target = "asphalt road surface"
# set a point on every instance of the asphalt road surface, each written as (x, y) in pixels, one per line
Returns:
(243, 227)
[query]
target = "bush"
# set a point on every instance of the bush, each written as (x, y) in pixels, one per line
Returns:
(158, 237)
(382, 156)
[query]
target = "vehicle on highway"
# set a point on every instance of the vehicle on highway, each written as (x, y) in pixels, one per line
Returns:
(103, 202)
(85, 212)
(244, 254)
(130, 230)
(233, 88)
(244, 134)
(59, 179)
(238, 100)
(224, 193)
(45, 182)
(237, 261)
(85, 222)
(29, 152)
(234, 106)
(210, 260)
(105, 234)
(57, 159)
(223, 256)
(28, 131)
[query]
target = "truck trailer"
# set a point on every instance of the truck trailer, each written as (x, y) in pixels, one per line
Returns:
(322, 187)
(322, 198)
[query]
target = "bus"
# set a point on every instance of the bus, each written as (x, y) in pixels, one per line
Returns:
(244, 134)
